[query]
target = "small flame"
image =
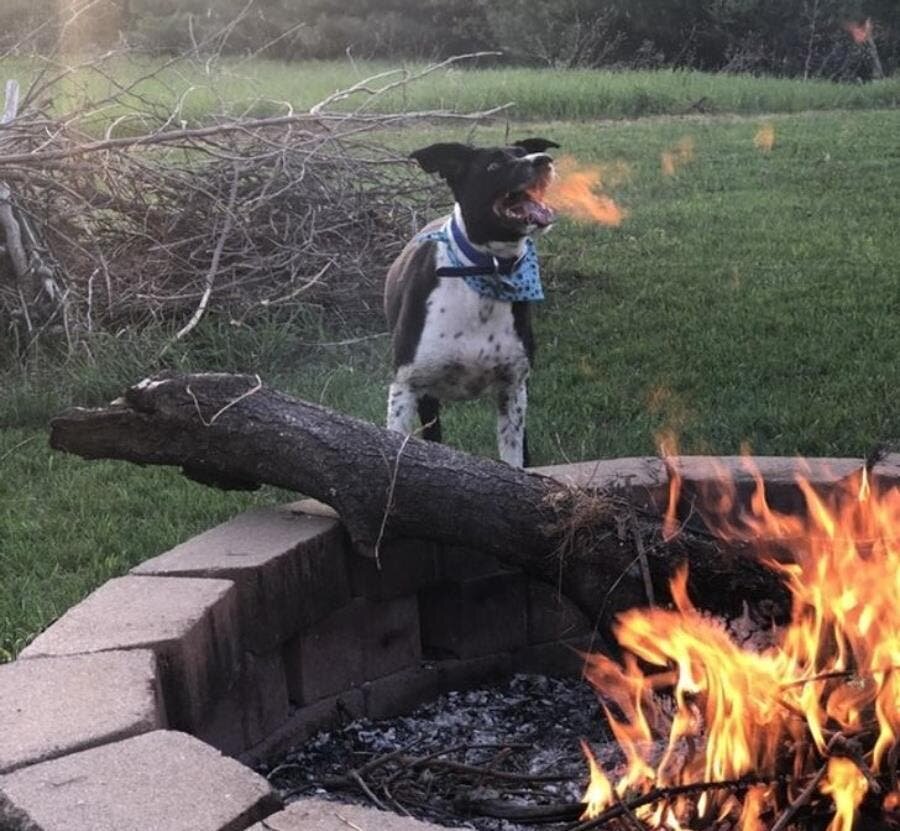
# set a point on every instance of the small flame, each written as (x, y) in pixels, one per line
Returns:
(847, 787)
(599, 794)
(574, 191)
(860, 32)
(678, 156)
(764, 139)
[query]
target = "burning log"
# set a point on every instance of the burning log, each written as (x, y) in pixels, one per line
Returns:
(232, 431)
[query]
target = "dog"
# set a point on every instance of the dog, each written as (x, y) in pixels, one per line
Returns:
(458, 297)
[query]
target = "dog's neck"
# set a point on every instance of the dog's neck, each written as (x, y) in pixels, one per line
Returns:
(502, 250)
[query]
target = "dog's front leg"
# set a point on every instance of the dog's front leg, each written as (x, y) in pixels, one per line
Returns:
(511, 405)
(401, 409)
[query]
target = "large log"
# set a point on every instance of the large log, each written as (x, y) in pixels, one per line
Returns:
(232, 431)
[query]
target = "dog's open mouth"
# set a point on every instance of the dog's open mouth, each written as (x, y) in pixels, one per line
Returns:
(527, 206)
(522, 208)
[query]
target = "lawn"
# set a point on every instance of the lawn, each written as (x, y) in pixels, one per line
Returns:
(752, 296)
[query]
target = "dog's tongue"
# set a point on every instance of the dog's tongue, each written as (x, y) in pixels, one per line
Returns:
(537, 213)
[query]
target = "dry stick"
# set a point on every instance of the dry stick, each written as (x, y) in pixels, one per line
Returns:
(252, 391)
(474, 770)
(363, 85)
(642, 556)
(500, 809)
(213, 266)
(181, 136)
(850, 673)
(354, 775)
(801, 801)
(806, 795)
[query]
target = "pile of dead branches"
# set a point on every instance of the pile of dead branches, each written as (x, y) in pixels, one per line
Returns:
(154, 220)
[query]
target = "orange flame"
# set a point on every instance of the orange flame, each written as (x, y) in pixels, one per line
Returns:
(678, 156)
(860, 32)
(764, 139)
(574, 191)
(733, 712)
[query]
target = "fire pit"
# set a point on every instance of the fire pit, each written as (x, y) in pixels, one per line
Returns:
(272, 640)
(712, 726)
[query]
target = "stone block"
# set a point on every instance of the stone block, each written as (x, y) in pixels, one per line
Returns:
(159, 781)
(190, 624)
(481, 616)
(403, 567)
(473, 672)
(559, 658)
(255, 705)
(391, 637)
(288, 567)
(552, 617)
(322, 815)
(401, 692)
(361, 641)
(327, 658)
(53, 706)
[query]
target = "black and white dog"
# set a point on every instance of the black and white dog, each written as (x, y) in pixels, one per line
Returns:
(457, 298)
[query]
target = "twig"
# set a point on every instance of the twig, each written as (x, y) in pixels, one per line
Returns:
(213, 266)
(474, 770)
(641, 556)
(354, 775)
(390, 498)
(501, 809)
(825, 676)
(16, 447)
(801, 801)
(347, 822)
(252, 391)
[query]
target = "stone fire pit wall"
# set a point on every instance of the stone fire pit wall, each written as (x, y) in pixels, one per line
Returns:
(137, 707)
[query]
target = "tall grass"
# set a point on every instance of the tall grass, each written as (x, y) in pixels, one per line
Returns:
(264, 87)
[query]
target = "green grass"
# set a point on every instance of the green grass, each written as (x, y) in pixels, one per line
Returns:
(264, 87)
(751, 296)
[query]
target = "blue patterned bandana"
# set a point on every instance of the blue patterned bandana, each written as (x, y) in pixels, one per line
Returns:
(508, 279)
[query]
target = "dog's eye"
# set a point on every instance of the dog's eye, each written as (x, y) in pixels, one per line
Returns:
(492, 167)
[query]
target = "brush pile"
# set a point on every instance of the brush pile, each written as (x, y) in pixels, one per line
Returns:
(142, 217)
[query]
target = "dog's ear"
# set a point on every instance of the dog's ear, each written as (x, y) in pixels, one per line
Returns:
(448, 159)
(535, 145)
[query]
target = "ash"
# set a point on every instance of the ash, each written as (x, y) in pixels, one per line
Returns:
(437, 764)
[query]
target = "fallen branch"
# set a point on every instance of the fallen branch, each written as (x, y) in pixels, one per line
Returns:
(431, 491)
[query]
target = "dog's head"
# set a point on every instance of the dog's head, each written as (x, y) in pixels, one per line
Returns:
(499, 189)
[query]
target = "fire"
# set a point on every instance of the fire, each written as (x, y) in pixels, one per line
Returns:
(847, 786)
(860, 32)
(678, 156)
(765, 138)
(688, 705)
(574, 191)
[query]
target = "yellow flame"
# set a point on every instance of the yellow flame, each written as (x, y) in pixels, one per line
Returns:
(599, 794)
(678, 156)
(764, 139)
(847, 787)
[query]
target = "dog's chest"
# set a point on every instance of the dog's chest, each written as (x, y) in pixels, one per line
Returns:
(468, 345)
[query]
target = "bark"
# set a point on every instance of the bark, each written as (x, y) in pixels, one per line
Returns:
(231, 431)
